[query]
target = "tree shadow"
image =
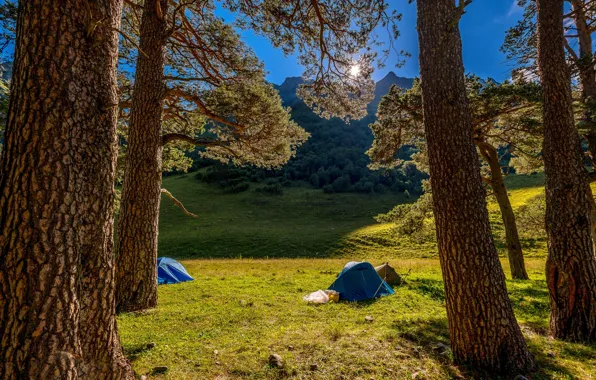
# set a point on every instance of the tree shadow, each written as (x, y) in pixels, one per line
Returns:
(133, 352)
(429, 338)
(430, 288)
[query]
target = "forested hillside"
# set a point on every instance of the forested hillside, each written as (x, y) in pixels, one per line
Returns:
(333, 159)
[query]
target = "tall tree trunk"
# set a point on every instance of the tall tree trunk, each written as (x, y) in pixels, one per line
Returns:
(587, 78)
(482, 326)
(141, 191)
(514, 250)
(57, 310)
(571, 264)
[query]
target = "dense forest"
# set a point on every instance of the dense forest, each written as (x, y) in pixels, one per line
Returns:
(333, 158)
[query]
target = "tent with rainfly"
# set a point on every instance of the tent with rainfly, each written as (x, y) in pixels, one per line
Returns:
(359, 281)
(170, 271)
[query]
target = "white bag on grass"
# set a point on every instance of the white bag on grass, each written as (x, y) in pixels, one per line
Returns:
(317, 297)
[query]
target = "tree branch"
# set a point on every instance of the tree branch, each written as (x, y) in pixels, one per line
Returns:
(178, 203)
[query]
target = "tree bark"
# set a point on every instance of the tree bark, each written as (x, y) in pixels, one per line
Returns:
(141, 190)
(571, 264)
(57, 310)
(483, 329)
(587, 78)
(514, 250)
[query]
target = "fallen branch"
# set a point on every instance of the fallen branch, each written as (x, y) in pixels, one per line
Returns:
(178, 203)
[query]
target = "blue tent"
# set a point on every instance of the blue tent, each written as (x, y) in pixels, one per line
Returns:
(359, 281)
(170, 271)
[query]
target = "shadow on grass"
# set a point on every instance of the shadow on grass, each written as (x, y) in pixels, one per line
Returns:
(430, 338)
(430, 288)
(133, 352)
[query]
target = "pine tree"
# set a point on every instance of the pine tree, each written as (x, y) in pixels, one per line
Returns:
(571, 264)
(197, 80)
(503, 115)
(483, 329)
(57, 310)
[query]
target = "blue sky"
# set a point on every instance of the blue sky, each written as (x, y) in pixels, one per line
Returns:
(482, 28)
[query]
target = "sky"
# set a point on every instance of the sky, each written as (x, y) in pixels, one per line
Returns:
(482, 28)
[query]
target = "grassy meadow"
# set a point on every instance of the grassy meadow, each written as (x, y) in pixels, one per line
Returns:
(254, 257)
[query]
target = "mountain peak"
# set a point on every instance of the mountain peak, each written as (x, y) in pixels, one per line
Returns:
(391, 76)
(291, 83)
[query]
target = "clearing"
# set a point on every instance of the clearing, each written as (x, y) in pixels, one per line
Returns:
(239, 310)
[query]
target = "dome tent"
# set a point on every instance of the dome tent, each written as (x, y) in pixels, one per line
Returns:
(359, 281)
(170, 271)
(388, 273)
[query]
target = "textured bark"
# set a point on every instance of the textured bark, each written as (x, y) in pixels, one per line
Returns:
(514, 250)
(587, 79)
(571, 264)
(482, 326)
(57, 310)
(141, 191)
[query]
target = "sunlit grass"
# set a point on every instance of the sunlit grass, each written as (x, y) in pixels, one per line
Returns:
(236, 313)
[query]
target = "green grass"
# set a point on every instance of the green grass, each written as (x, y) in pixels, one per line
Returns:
(226, 323)
(303, 222)
(300, 223)
(238, 311)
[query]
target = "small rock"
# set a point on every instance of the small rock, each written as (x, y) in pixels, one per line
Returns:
(389, 370)
(215, 352)
(441, 347)
(217, 363)
(550, 354)
(314, 367)
(151, 345)
(143, 377)
(290, 348)
(162, 369)
(368, 318)
(276, 361)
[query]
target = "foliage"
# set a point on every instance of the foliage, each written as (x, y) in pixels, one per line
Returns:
(530, 217)
(331, 38)
(215, 93)
(413, 220)
(273, 189)
(520, 45)
(504, 115)
(8, 25)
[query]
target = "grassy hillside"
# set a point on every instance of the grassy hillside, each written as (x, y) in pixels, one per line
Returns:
(303, 222)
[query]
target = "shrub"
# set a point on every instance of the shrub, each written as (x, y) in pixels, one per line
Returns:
(236, 188)
(273, 189)
(341, 185)
(530, 217)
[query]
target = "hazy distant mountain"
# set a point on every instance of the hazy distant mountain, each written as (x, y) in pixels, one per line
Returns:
(287, 90)
(384, 84)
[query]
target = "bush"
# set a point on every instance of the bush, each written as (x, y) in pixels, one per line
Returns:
(236, 188)
(341, 185)
(414, 220)
(530, 217)
(273, 189)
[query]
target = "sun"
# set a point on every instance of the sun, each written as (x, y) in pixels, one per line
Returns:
(355, 70)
